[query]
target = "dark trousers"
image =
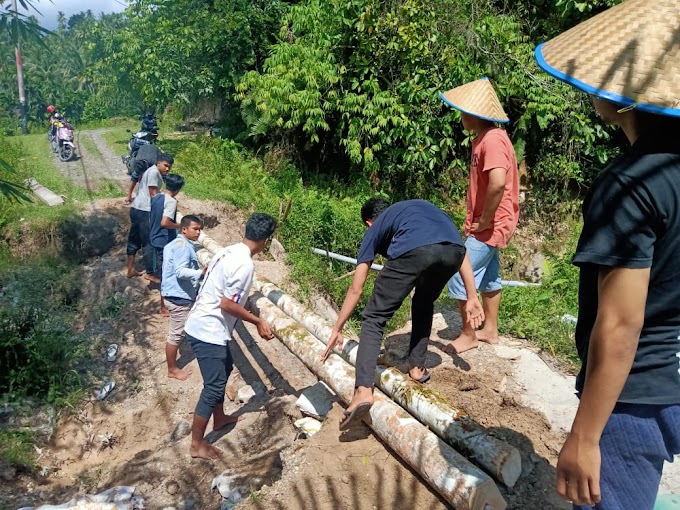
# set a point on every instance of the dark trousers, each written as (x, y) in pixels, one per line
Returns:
(215, 363)
(427, 269)
(139, 238)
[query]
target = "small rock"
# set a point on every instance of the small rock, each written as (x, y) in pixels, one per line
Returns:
(468, 386)
(315, 401)
(277, 250)
(344, 479)
(182, 429)
(234, 384)
(188, 504)
(7, 472)
(246, 394)
(172, 487)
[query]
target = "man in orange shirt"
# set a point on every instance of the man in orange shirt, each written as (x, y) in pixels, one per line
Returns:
(492, 204)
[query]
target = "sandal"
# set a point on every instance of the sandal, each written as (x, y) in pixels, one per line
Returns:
(358, 413)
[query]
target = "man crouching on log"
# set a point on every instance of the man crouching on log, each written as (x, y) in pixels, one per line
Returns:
(423, 250)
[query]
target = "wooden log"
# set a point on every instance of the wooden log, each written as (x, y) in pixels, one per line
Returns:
(499, 459)
(462, 484)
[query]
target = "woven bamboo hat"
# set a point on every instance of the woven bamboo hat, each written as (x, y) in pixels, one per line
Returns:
(629, 55)
(476, 98)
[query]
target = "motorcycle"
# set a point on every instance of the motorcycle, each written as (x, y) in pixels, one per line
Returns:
(148, 134)
(62, 140)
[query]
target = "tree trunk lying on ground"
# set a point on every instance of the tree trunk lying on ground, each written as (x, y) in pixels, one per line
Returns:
(461, 483)
(498, 458)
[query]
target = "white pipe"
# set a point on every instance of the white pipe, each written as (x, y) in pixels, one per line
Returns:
(378, 267)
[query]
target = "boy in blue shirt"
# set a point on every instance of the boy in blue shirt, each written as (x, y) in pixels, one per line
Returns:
(179, 282)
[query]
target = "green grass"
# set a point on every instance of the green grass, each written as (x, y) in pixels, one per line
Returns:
(86, 141)
(17, 448)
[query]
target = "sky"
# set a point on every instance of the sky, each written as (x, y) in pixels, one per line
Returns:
(49, 9)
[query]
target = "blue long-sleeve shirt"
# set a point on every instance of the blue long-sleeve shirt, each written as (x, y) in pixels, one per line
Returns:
(180, 270)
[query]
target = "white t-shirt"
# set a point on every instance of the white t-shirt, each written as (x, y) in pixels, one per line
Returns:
(169, 207)
(152, 177)
(229, 274)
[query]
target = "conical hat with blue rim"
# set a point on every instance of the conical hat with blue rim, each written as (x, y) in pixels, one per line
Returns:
(629, 55)
(477, 98)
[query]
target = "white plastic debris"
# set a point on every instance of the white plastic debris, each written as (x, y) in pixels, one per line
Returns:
(231, 494)
(307, 426)
(315, 401)
(115, 498)
(569, 319)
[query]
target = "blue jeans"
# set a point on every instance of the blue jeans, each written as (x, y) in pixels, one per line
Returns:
(635, 443)
(215, 363)
(485, 265)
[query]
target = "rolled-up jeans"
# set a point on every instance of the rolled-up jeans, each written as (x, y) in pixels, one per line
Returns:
(215, 363)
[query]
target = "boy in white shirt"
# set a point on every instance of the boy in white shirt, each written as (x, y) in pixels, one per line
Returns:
(218, 306)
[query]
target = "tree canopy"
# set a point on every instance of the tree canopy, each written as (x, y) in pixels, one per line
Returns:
(348, 88)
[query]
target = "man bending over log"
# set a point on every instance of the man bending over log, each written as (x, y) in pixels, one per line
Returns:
(423, 250)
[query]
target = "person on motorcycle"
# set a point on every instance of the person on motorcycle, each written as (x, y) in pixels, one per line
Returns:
(50, 132)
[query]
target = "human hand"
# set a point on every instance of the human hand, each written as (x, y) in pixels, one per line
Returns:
(578, 471)
(335, 339)
(481, 226)
(264, 330)
(127, 201)
(474, 312)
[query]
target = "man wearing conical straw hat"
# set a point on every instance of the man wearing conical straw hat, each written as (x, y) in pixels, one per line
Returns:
(492, 204)
(628, 331)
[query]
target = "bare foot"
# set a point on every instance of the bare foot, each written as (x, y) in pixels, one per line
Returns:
(461, 344)
(488, 337)
(204, 450)
(165, 312)
(151, 278)
(229, 419)
(133, 274)
(180, 374)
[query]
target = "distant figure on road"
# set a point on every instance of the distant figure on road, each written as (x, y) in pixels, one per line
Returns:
(178, 286)
(140, 223)
(628, 330)
(492, 205)
(423, 250)
(218, 306)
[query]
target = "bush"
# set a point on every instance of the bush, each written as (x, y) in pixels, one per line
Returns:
(38, 348)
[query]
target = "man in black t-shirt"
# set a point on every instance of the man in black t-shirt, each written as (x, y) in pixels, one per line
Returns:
(628, 331)
(423, 250)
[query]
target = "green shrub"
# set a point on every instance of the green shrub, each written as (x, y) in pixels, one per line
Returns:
(38, 347)
(536, 313)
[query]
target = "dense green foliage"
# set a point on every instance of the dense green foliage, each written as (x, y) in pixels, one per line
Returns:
(344, 88)
(354, 85)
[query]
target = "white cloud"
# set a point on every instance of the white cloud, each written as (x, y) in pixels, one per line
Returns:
(49, 9)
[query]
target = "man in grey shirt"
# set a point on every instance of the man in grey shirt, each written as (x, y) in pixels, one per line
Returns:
(139, 236)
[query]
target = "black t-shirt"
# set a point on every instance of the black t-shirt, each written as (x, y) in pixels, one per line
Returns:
(631, 219)
(405, 226)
